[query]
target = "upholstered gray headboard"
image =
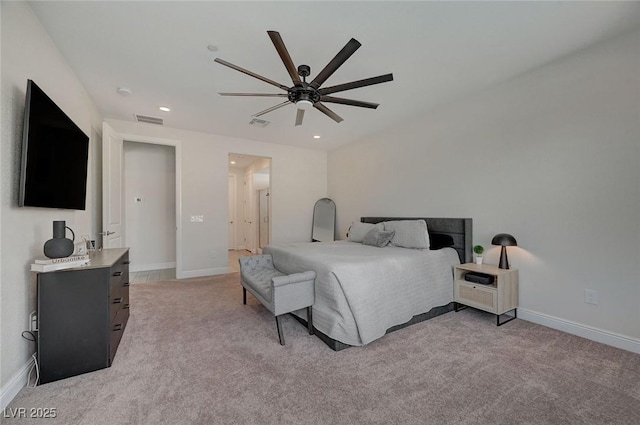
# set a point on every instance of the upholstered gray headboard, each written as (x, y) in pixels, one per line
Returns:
(458, 229)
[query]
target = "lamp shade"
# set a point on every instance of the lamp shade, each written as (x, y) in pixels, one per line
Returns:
(504, 239)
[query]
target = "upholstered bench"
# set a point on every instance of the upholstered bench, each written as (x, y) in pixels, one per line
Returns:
(278, 292)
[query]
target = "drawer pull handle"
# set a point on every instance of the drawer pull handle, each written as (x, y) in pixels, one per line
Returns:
(125, 306)
(126, 262)
(125, 284)
(117, 300)
(117, 274)
(118, 327)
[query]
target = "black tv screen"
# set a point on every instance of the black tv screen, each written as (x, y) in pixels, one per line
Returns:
(54, 156)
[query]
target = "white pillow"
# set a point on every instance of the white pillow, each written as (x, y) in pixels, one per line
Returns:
(358, 231)
(409, 233)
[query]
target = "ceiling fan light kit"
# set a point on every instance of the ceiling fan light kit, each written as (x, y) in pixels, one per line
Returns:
(304, 104)
(309, 95)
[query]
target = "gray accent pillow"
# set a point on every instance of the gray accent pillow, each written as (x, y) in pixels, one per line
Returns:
(358, 231)
(377, 237)
(409, 233)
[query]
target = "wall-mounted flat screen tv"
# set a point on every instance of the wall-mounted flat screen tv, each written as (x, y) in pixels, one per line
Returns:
(54, 156)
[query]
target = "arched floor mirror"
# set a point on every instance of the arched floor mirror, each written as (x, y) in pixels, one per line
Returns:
(324, 221)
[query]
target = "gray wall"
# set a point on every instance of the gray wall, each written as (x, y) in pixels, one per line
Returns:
(28, 53)
(552, 157)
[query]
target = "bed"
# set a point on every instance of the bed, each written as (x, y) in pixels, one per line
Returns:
(364, 292)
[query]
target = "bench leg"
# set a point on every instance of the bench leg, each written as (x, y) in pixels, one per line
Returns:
(280, 333)
(244, 295)
(310, 320)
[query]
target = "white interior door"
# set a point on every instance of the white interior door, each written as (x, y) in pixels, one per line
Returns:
(249, 214)
(112, 205)
(233, 187)
(264, 217)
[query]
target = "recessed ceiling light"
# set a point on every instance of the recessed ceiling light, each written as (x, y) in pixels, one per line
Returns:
(164, 109)
(232, 162)
(316, 137)
(212, 48)
(125, 91)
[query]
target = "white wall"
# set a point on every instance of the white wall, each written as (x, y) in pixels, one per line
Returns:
(29, 53)
(150, 175)
(298, 179)
(552, 157)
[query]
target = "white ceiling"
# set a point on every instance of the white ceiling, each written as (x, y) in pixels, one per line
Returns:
(437, 51)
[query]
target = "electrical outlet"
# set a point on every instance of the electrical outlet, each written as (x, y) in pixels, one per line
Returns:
(591, 296)
(33, 322)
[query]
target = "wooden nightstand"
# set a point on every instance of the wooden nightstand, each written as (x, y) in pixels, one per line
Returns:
(497, 298)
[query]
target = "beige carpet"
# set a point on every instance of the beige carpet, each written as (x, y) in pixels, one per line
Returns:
(193, 354)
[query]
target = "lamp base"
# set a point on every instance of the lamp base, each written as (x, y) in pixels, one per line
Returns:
(504, 261)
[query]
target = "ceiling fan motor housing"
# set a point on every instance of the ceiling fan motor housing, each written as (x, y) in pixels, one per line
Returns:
(303, 92)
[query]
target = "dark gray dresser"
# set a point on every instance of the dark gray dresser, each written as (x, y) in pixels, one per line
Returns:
(82, 314)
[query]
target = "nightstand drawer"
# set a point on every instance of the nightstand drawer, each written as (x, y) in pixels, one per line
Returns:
(476, 295)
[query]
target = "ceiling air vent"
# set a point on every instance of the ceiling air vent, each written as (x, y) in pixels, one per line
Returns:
(149, 120)
(259, 123)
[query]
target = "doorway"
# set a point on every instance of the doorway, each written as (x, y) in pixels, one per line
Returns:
(114, 229)
(149, 212)
(249, 203)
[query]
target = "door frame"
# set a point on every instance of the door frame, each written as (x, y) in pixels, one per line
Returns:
(178, 201)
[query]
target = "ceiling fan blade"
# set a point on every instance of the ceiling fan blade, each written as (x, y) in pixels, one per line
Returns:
(255, 94)
(349, 102)
(273, 108)
(284, 55)
(328, 112)
(252, 74)
(336, 62)
(299, 116)
(357, 84)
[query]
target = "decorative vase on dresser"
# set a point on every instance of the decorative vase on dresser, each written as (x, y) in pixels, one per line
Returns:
(60, 246)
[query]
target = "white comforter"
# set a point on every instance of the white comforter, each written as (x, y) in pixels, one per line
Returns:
(361, 291)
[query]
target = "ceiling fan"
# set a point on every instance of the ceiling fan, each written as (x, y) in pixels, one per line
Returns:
(306, 95)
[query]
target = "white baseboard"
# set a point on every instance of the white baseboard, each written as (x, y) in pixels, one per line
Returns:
(203, 272)
(11, 389)
(156, 266)
(584, 331)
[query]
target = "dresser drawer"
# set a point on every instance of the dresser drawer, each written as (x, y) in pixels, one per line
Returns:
(476, 295)
(117, 301)
(118, 283)
(116, 329)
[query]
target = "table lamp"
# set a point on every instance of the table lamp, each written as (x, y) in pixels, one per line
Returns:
(504, 240)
